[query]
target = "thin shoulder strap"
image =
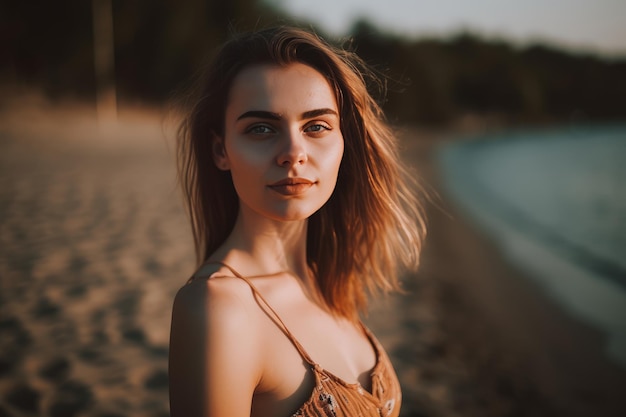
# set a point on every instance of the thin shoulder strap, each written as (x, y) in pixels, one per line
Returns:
(265, 306)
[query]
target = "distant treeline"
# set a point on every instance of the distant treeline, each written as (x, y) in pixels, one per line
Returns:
(438, 80)
(160, 44)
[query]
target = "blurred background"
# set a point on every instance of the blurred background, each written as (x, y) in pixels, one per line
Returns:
(511, 114)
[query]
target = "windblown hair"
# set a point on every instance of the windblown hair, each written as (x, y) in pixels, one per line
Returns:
(372, 222)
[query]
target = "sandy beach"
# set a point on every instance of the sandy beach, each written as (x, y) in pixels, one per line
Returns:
(95, 243)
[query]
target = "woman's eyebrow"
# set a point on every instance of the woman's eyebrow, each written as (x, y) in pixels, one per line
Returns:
(262, 114)
(317, 112)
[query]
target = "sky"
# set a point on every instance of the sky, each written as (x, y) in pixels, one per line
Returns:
(590, 25)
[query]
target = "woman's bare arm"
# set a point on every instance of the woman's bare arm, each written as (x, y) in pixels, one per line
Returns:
(214, 359)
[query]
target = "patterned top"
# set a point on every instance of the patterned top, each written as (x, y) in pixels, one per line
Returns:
(334, 397)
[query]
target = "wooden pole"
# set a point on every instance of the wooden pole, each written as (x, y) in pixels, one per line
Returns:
(104, 61)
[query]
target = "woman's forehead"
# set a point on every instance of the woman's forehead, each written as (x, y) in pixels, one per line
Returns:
(282, 89)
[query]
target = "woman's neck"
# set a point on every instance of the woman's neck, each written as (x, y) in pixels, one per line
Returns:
(261, 246)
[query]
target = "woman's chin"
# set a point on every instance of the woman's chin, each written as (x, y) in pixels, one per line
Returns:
(291, 214)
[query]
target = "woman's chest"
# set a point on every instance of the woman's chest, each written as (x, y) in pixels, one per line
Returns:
(309, 337)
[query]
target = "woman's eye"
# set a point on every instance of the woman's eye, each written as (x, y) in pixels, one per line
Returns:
(260, 130)
(317, 127)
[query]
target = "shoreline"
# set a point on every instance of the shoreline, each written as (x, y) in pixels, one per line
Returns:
(501, 329)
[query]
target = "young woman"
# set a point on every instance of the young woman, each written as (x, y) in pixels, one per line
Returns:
(299, 212)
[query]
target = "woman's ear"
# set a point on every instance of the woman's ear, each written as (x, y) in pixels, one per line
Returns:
(219, 154)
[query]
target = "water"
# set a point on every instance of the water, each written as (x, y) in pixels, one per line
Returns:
(555, 200)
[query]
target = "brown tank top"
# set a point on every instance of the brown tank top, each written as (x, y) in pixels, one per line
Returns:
(334, 397)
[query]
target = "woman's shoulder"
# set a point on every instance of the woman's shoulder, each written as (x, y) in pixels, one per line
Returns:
(226, 297)
(213, 328)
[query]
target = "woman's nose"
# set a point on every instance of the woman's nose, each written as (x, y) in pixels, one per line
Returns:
(293, 151)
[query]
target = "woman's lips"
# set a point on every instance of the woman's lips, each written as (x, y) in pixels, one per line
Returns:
(291, 186)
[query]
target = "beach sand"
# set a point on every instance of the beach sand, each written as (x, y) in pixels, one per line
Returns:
(95, 243)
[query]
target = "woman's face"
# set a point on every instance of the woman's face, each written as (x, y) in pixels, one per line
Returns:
(282, 140)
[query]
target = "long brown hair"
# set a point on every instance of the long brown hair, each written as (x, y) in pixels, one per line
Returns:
(371, 223)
